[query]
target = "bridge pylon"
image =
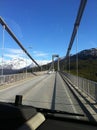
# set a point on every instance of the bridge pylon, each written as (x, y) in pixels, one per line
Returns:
(52, 65)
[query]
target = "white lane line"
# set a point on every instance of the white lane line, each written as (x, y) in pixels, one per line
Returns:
(71, 102)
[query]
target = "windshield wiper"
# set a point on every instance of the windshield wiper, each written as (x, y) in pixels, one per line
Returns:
(48, 111)
(18, 101)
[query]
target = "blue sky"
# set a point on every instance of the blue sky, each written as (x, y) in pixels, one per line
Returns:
(44, 27)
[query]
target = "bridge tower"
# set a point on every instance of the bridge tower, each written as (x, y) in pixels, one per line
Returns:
(58, 67)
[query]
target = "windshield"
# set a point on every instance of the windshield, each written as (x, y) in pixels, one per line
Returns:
(48, 54)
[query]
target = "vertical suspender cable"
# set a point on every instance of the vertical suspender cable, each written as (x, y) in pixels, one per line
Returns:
(77, 54)
(2, 72)
(69, 63)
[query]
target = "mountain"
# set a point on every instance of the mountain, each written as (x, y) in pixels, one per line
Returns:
(14, 66)
(87, 64)
(87, 54)
(92, 51)
(83, 56)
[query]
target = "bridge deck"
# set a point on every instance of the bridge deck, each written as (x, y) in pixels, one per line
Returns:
(45, 91)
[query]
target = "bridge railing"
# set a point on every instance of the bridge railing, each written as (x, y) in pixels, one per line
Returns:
(87, 86)
(6, 79)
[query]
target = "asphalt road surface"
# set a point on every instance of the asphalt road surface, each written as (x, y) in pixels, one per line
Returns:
(45, 91)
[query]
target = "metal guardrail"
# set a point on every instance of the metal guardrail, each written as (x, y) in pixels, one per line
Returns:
(6, 79)
(87, 86)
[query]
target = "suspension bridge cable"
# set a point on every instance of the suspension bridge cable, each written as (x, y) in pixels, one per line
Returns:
(76, 25)
(17, 41)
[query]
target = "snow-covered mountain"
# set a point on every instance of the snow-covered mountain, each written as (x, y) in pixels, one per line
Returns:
(14, 64)
(17, 63)
(20, 63)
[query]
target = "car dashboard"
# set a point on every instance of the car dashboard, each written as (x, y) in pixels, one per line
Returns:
(15, 116)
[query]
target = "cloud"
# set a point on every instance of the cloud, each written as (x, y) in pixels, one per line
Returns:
(15, 51)
(43, 62)
(11, 53)
(39, 54)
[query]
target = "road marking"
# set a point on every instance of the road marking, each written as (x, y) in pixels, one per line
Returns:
(73, 107)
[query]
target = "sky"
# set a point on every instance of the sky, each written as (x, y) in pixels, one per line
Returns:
(44, 28)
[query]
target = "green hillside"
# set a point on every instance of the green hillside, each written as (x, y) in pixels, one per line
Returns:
(86, 69)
